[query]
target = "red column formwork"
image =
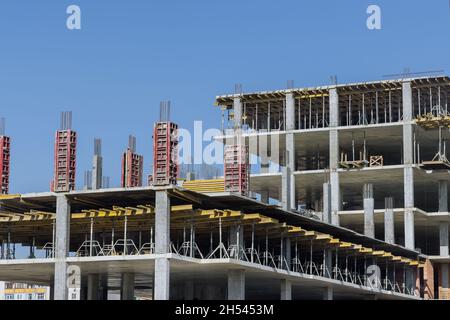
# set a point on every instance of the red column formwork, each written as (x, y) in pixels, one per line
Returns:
(5, 152)
(165, 153)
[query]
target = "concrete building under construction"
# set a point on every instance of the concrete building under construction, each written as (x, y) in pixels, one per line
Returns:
(355, 207)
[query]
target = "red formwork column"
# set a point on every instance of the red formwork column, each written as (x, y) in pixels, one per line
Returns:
(5, 152)
(132, 169)
(65, 161)
(236, 169)
(165, 153)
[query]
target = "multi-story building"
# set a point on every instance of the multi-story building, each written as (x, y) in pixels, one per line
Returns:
(373, 154)
(20, 291)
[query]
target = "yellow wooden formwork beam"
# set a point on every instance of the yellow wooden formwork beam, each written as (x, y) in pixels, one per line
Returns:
(387, 255)
(9, 196)
(365, 250)
(345, 245)
(378, 253)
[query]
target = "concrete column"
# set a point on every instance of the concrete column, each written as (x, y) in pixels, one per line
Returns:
(326, 212)
(162, 246)
(328, 261)
(290, 112)
(287, 178)
(408, 156)
(189, 290)
(444, 275)
(237, 109)
(443, 238)
(285, 289)
(335, 198)
(265, 196)
(334, 156)
(369, 223)
(104, 287)
(236, 284)
(62, 246)
(328, 293)
(127, 286)
(287, 251)
(443, 196)
(389, 226)
(190, 176)
(236, 232)
(93, 282)
(97, 172)
(443, 225)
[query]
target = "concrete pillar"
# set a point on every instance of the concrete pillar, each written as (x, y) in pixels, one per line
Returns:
(290, 112)
(444, 275)
(162, 246)
(443, 238)
(236, 284)
(62, 246)
(328, 262)
(190, 176)
(287, 175)
(236, 232)
(328, 293)
(97, 172)
(389, 225)
(285, 289)
(443, 196)
(408, 159)
(409, 208)
(127, 286)
(334, 156)
(369, 222)
(410, 280)
(189, 290)
(103, 287)
(237, 109)
(265, 196)
(326, 212)
(93, 289)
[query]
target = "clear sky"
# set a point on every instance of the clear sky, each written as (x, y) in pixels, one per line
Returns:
(129, 55)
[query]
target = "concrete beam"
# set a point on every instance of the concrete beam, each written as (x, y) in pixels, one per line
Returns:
(285, 289)
(127, 286)
(236, 284)
(389, 225)
(61, 247)
(162, 246)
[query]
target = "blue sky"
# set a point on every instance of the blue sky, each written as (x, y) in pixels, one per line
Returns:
(129, 55)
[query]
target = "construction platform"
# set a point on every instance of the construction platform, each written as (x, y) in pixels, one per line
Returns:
(116, 232)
